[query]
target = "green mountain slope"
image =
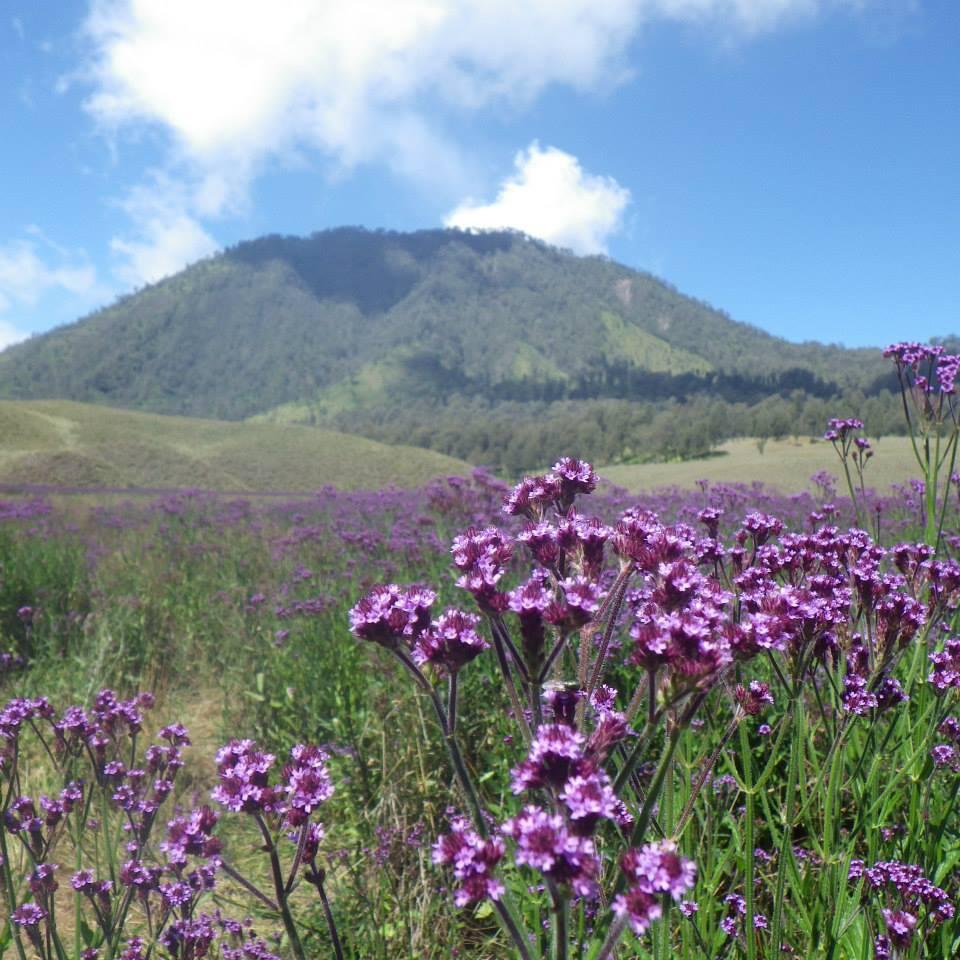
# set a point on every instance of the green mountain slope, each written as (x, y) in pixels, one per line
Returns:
(83, 445)
(284, 320)
(491, 347)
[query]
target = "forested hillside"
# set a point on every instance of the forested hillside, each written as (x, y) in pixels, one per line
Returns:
(491, 346)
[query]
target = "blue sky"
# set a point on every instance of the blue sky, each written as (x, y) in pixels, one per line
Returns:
(792, 162)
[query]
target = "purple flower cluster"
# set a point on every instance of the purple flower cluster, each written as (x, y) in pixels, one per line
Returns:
(535, 496)
(929, 367)
(168, 888)
(390, 615)
(245, 785)
(473, 860)
(545, 842)
(399, 619)
(652, 872)
(736, 911)
(910, 892)
(945, 675)
(839, 429)
(450, 642)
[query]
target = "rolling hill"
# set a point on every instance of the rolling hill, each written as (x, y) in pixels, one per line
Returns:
(80, 445)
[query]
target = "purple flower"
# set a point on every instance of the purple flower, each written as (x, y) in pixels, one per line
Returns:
(641, 909)
(652, 871)
(191, 835)
(28, 915)
(244, 779)
(533, 495)
(754, 698)
(588, 798)
(545, 843)
(390, 615)
(900, 925)
(555, 752)
(658, 868)
(575, 477)
(307, 782)
(473, 860)
(946, 666)
(450, 642)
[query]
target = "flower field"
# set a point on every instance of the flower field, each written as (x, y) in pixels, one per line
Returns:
(550, 720)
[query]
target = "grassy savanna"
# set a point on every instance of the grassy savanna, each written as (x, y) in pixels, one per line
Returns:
(785, 465)
(68, 444)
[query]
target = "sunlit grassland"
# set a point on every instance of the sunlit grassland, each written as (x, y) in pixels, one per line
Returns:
(83, 445)
(785, 465)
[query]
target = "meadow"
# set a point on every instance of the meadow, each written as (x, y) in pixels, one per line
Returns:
(714, 720)
(785, 465)
(80, 445)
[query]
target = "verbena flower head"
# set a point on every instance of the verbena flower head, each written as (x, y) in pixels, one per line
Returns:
(576, 477)
(556, 751)
(244, 779)
(754, 697)
(450, 642)
(545, 843)
(391, 615)
(651, 872)
(945, 675)
(28, 915)
(473, 860)
(532, 496)
(307, 782)
(838, 429)
(588, 798)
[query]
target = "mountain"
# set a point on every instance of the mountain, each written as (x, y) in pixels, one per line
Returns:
(437, 331)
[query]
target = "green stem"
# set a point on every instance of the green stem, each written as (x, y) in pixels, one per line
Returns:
(505, 911)
(705, 771)
(560, 935)
(643, 821)
(460, 768)
(6, 867)
(288, 922)
(632, 760)
(952, 453)
(331, 924)
(746, 757)
(786, 849)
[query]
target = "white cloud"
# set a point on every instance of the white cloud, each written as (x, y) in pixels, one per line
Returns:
(25, 276)
(550, 196)
(236, 81)
(166, 236)
(9, 335)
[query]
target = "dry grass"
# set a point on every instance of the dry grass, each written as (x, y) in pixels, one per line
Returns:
(82, 445)
(784, 464)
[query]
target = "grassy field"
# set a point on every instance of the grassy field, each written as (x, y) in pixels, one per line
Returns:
(81, 445)
(786, 465)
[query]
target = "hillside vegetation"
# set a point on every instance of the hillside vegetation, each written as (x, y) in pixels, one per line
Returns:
(490, 347)
(81, 445)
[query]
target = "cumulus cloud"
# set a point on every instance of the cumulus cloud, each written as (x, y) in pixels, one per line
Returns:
(25, 276)
(550, 196)
(235, 81)
(166, 236)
